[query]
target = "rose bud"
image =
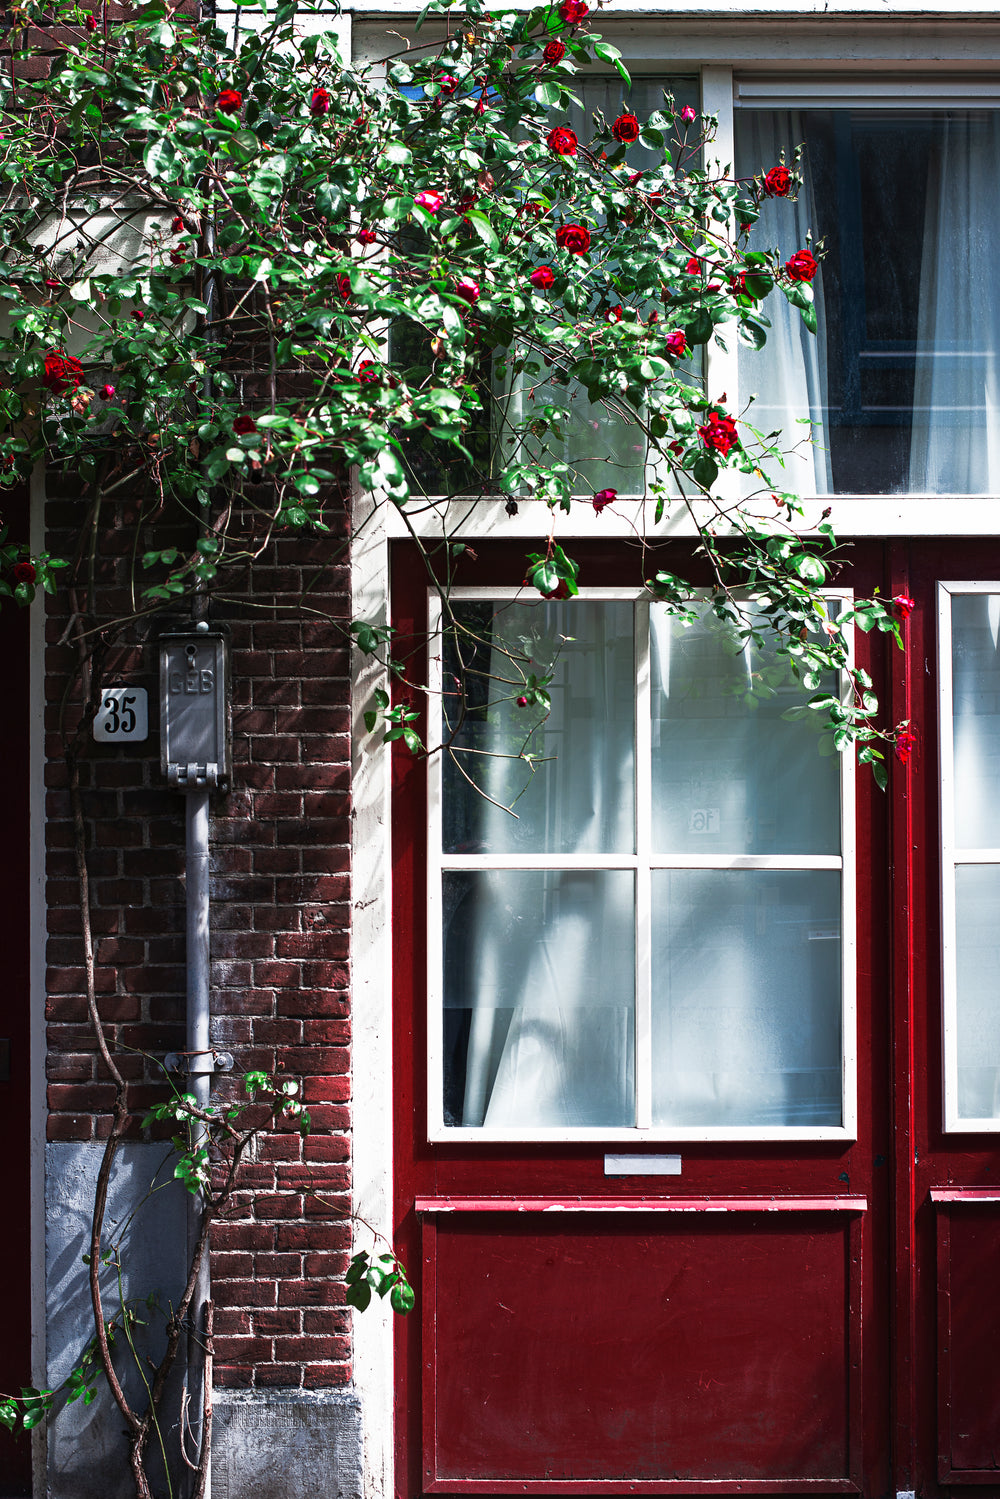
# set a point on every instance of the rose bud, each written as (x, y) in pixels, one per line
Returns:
(319, 104)
(522, 702)
(543, 276)
(689, 114)
(137, 314)
(91, 23)
(467, 289)
(107, 392)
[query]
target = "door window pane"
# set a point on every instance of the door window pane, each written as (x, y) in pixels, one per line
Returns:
(902, 376)
(730, 775)
(977, 892)
(975, 626)
(539, 997)
(576, 794)
(746, 997)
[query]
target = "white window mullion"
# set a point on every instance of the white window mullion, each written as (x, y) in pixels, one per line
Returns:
(949, 955)
(435, 916)
(643, 893)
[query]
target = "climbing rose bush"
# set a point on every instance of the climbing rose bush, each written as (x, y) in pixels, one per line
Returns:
(434, 267)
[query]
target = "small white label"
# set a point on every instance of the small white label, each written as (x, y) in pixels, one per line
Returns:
(123, 716)
(642, 1165)
(703, 820)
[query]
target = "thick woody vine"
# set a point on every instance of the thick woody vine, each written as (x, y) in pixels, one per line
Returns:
(236, 272)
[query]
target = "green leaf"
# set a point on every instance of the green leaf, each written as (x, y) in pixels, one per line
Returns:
(607, 53)
(159, 157)
(483, 228)
(402, 1298)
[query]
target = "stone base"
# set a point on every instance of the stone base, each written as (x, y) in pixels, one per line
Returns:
(286, 1444)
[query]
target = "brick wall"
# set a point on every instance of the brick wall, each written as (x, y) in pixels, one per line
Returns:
(280, 930)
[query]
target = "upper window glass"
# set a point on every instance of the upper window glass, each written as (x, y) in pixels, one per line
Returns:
(901, 379)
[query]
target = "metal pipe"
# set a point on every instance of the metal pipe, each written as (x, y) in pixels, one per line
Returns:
(200, 1061)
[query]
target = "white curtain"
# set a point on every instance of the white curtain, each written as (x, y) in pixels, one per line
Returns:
(789, 373)
(543, 961)
(955, 443)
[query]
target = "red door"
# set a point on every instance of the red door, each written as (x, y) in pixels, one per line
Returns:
(15, 1259)
(586, 1325)
(947, 1180)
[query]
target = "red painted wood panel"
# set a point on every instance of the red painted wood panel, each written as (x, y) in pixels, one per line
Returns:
(562, 1348)
(968, 1319)
(15, 1258)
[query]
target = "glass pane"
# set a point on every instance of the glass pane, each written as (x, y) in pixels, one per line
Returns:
(977, 900)
(975, 623)
(746, 997)
(730, 775)
(902, 375)
(576, 794)
(603, 449)
(539, 997)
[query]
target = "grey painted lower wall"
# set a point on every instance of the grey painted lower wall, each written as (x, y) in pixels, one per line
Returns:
(286, 1444)
(273, 1444)
(87, 1450)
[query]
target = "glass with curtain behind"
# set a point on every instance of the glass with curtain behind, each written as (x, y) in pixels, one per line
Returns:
(902, 380)
(549, 947)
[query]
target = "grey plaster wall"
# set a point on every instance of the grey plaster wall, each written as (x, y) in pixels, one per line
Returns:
(87, 1451)
(286, 1444)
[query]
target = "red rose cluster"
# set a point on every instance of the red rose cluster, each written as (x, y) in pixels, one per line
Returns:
(573, 237)
(562, 141)
(719, 433)
(626, 129)
(777, 182)
(801, 266)
(63, 373)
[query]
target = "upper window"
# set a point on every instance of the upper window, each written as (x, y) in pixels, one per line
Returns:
(640, 904)
(902, 380)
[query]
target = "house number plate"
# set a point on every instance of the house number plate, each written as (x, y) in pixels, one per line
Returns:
(123, 716)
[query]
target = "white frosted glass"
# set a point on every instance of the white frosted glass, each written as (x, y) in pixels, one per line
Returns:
(577, 793)
(975, 624)
(746, 997)
(730, 774)
(539, 999)
(977, 901)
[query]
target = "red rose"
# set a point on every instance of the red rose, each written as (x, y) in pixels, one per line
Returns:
(319, 104)
(689, 114)
(62, 372)
(230, 101)
(573, 237)
(344, 286)
(904, 605)
(693, 267)
(177, 257)
(561, 141)
(137, 314)
(553, 52)
(777, 182)
(906, 743)
(429, 200)
(531, 209)
(802, 266)
(366, 236)
(677, 447)
(244, 425)
(626, 129)
(719, 433)
(91, 23)
(447, 84)
(738, 286)
(24, 572)
(604, 497)
(676, 344)
(572, 11)
(367, 372)
(107, 392)
(543, 276)
(467, 289)
(177, 225)
(522, 702)
(615, 313)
